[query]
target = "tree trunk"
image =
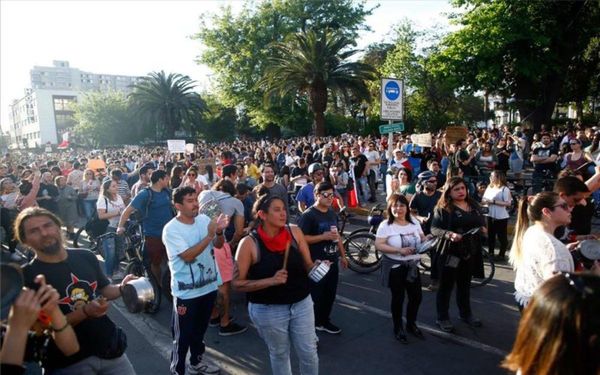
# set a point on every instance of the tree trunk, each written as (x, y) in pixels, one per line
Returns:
(318, 105)
(579, 110)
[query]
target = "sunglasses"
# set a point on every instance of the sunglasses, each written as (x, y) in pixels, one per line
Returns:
(326, 195)
(432, 181)
(564, 206)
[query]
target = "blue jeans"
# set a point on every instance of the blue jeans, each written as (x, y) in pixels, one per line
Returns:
(112, 248)
(89, 207)
(363, 190)
(99, 366)
(279, 325)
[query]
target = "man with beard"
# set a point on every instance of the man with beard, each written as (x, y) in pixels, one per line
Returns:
(189, 239)
(84, 294)
(275, 189)
(144, 181)
(544, 162)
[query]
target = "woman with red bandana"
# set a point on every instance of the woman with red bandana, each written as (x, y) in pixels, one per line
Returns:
(280, 305)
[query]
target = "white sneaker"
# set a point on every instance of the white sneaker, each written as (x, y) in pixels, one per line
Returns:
(204, 367)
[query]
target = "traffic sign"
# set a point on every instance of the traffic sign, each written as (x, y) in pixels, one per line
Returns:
(391, 128)
(392, 99)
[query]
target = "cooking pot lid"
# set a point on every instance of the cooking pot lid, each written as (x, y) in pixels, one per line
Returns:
(590, 249)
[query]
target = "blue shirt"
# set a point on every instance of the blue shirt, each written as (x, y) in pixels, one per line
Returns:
(200, 276)
(306, 194)
(156, 211)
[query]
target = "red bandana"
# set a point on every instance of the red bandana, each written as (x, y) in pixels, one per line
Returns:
(276, 244)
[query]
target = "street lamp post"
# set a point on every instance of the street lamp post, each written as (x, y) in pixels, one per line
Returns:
(363, 108)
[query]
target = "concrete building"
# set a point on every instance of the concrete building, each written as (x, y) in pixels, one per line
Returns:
(46, 110)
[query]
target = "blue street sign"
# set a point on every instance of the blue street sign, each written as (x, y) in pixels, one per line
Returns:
(392, 90)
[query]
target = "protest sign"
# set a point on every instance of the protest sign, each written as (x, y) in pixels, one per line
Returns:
(176, 146)
(95, 164)
(189, 148)
(202, 163)
(454, 133)
(423, 140)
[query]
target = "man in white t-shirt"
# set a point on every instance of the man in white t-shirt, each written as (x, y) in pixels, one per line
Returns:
(189, 239)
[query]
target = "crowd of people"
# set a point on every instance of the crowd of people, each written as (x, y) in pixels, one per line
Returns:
(259, 217)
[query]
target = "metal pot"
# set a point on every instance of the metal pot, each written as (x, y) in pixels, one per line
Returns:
(138, 294)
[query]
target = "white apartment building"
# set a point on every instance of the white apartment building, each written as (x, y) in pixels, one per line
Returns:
(46, 111)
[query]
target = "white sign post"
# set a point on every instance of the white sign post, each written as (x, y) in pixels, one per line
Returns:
(392, 104)
(176, 146)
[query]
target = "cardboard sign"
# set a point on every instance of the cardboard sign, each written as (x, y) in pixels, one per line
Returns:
(189, 148)
(423, 140)
(95, 164)
(176, 146)
(202, 163)
(454, 133)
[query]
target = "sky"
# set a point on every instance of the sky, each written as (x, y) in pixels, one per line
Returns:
(138, 37)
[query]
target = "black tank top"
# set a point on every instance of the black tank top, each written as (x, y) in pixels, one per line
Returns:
(296, 288)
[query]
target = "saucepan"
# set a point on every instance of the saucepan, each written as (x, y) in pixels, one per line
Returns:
(138, 294)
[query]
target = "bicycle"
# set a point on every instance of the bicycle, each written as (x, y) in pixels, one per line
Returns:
(135, 265)
(359, 244)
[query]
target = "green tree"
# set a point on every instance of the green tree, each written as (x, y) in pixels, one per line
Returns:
(311, 64)
(237, 49)
(105, 119)
(168, 103)
(519, 49)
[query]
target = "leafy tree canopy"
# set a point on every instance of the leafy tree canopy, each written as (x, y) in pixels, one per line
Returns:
(519, 49)
(237, 49)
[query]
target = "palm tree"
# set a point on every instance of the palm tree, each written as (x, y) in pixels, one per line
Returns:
(168, 102)
(313, 63)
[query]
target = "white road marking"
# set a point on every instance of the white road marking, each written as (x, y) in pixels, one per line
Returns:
(425, 327)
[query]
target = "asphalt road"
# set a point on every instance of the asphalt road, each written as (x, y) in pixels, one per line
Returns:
(366, 345)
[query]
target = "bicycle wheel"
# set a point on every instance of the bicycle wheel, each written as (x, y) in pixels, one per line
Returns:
(135, 267)
(78, 239)
(361, 252)
(489, 269)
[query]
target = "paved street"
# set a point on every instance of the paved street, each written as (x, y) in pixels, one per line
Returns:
(366, 345)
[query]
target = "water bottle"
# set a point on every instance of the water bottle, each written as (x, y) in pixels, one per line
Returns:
(334, 229)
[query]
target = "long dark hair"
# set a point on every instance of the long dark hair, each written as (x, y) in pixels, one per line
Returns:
(446, 201)
(392, 201)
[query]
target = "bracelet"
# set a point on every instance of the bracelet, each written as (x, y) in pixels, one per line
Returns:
(57, 330)
(121, 289)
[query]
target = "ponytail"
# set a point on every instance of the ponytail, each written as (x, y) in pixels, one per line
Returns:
(530, 210)
(516, 254)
